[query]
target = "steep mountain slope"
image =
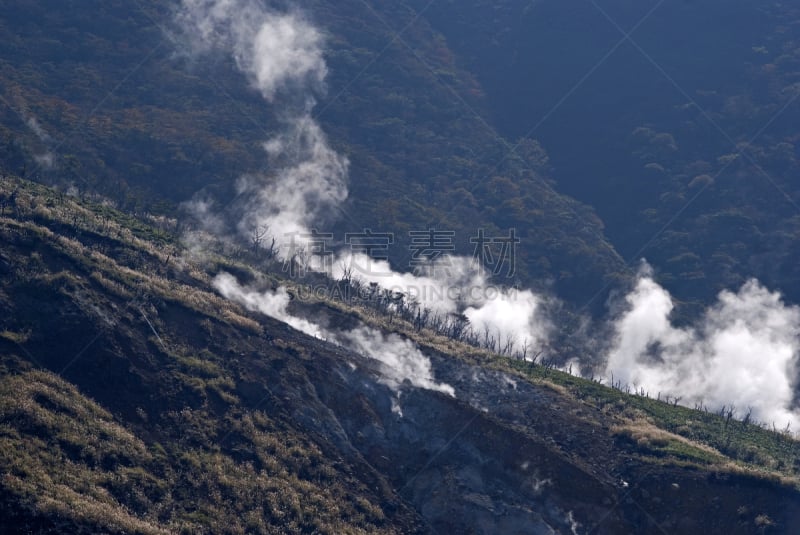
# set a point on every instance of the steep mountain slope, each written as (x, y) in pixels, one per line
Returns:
(155, 376)
(683, 137)
(135, 399)
(102, 95)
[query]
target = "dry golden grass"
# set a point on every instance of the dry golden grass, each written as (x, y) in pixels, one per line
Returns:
(645, 434)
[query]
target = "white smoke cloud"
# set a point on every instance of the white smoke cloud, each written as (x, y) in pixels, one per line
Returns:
(460, 285)
(281, 54)
(274, 304)
(445, 287)
(277, 51)
(202, 210)
(514, 317)
(402, 360)
(45, 160)
(743, 352)
(304, 191)
(37, 129)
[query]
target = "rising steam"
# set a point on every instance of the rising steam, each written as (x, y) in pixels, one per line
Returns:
(742, 352)
(515, 318)
(276, 51)
(400, 358)
(281, 55)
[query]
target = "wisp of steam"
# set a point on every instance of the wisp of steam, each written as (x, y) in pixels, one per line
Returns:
(282, 53)
(742, 352)
(402, 361)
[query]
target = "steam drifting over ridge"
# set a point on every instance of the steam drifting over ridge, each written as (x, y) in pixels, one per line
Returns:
(278, 53)
(400, 358)
(744, 350)
(281, 55)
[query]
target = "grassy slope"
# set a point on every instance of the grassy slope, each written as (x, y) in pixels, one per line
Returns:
(183, 433)
(198, 450)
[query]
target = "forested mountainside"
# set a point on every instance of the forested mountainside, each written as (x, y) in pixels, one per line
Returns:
(194, 340)
(123, 110)
(680, 116)
(135, 399)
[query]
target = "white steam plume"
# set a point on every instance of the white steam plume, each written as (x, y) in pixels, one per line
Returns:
(281, 54)
(400, 356)
(460, 285)
(37, 129)
(273, 304)
(401, 359)
(743, 352)
(277, 51)
(46, 160)
(512, 316)
(305, 190)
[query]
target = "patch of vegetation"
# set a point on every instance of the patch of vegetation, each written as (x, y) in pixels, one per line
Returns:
(211, 464)
(745, 442)
(207, 435)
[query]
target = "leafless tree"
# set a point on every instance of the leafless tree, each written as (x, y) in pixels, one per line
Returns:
(257, 235)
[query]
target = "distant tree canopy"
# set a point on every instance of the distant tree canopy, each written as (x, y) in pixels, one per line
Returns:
(124, 112)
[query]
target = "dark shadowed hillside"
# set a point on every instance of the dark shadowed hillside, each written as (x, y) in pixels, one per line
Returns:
(688, 128)
(304, 266)
(119, 108)
(134, 399)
